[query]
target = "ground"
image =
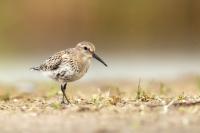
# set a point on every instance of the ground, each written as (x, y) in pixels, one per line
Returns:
(121, 106)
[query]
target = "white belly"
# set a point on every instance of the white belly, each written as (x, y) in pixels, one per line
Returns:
(65, 74)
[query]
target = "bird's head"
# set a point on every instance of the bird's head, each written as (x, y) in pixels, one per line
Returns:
(87, 49)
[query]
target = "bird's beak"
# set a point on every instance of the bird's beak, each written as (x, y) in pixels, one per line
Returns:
(99, 59)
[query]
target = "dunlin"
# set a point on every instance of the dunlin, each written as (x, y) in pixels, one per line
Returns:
(69, 65)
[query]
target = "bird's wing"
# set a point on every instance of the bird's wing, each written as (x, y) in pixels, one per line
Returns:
(53, 62)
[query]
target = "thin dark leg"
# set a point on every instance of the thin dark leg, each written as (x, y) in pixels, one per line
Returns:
(63, 88)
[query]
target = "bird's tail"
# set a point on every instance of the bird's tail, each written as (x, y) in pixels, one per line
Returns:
(35, 68)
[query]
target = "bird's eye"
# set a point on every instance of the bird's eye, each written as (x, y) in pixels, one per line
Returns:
(85, 48)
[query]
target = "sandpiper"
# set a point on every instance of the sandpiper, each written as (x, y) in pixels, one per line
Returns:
(69, 65)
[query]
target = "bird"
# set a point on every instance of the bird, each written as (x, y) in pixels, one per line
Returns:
(69, 65)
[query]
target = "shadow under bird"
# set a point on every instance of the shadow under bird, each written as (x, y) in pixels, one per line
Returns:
(69, 65)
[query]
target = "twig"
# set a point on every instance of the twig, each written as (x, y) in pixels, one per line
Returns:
(138, 90)
(187, 103)
(174, 104)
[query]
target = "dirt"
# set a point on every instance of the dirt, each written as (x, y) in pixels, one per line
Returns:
(125, 108)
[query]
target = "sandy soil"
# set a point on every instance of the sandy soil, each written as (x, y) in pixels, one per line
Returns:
(152, 107)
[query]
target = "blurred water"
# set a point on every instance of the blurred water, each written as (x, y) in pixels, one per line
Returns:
(153, 67)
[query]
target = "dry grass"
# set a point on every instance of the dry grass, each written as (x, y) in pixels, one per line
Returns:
(117, 107)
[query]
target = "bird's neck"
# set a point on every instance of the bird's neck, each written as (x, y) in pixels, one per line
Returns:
(85, 61)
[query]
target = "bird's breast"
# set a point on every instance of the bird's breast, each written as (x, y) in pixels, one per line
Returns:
(73, 71)
(83, 67)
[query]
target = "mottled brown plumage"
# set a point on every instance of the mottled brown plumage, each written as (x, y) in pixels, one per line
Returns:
(69, 65)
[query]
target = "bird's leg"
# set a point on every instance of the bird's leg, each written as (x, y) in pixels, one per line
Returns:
(63, 88)
(63, 98)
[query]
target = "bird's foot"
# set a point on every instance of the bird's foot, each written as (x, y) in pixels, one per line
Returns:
(68, 101)
(62, 102)
(65, 103)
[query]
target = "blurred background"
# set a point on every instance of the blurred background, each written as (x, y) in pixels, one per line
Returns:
(137, 38)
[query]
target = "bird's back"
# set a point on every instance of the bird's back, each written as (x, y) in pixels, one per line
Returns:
(64, 66)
